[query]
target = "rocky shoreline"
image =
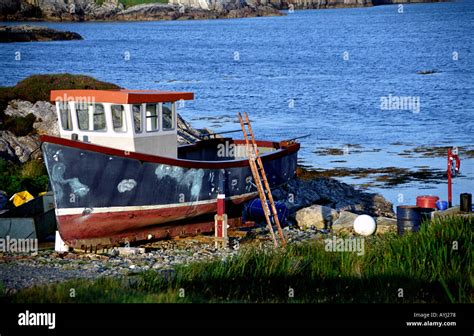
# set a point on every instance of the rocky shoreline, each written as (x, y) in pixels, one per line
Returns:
(110, 10)
(27, 33)
(114, 10)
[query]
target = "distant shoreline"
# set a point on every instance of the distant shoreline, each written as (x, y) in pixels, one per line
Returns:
(109, 12)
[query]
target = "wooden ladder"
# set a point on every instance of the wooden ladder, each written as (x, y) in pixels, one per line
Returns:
(260, 178)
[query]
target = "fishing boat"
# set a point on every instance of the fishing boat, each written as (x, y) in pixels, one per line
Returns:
(118, 174)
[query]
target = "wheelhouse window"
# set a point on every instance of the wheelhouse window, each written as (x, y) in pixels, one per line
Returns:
(91, 117)
(82, 112)
(118, 118)
(98, 113)
(151, 114)
(137, 118)
(167, 116)
(65, 116)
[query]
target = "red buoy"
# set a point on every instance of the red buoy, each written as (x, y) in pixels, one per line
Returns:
(427, 201)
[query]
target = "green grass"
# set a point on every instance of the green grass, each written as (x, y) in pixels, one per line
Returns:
(31, 176)
(130, 3)
(424, 265)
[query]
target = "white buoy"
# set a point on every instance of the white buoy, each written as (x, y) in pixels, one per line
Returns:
(59, 245)
(364, 225)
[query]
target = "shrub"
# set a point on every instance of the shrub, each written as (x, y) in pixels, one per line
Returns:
(130, 3)
(30, 176)
(33, 169)
(20, 126)
(38, 87)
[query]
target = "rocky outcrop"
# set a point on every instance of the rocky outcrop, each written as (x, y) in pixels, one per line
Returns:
(23, 148)
(301, 193)
(19, 149)
(153, 12)
(326, 4)
(320, 4)
(45, 113)
(326, 203)
(26, 33)
(186, 133)
(392, 2)
(113, 10)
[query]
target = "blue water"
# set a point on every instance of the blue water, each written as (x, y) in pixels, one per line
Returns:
(320, 73)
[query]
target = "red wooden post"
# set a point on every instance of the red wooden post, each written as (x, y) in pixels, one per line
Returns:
(450, 192)
(221, 222)
(452, 157)
(220, 214)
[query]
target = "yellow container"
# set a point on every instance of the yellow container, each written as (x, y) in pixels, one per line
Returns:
(21, 197)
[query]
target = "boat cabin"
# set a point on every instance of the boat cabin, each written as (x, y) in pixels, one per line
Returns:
(141, 121)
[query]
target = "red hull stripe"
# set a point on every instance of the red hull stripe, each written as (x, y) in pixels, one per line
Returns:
(103, 224)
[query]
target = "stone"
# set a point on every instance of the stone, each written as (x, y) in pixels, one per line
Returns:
(186, 133)
(345, 222)
(45, 113)
(19, 149)
(130, 251)
(385, 225)
(448, 212)
(316, 216)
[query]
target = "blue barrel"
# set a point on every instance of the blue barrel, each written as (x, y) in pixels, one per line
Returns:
(254, 210)
(408, 218)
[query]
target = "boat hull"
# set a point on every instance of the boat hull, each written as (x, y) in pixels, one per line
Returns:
(101, 191)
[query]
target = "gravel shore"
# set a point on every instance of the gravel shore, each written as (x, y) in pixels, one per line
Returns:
(19, 271)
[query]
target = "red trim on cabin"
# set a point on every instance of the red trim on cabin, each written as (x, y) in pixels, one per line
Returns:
(120, 96)
(284, 149)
